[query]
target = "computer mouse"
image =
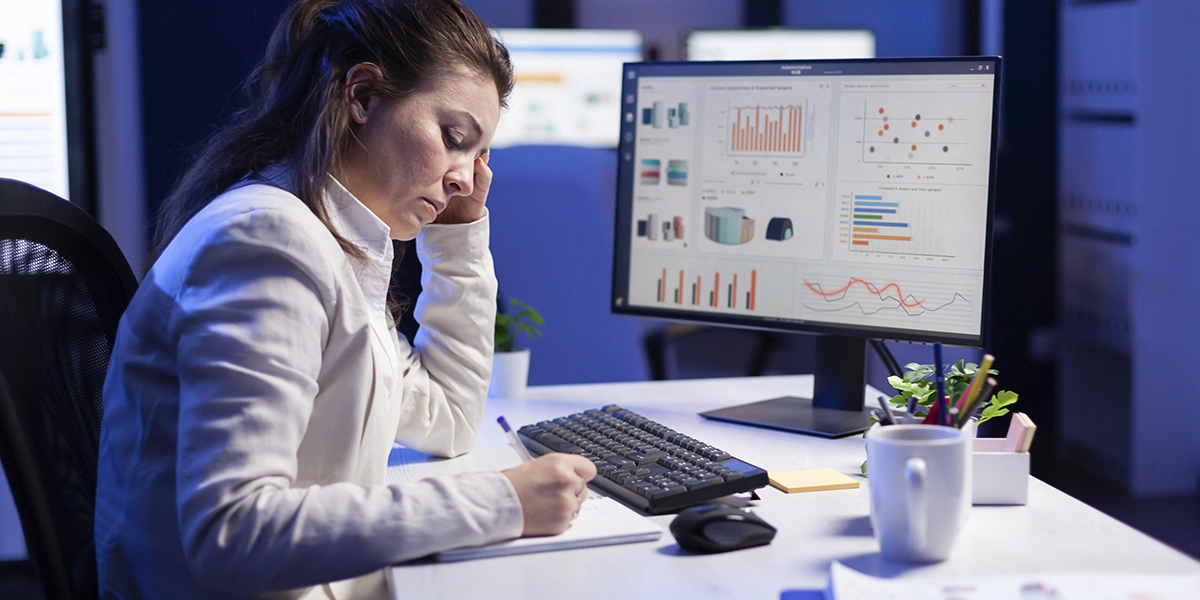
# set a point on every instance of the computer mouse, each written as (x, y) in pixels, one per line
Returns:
(719, 528)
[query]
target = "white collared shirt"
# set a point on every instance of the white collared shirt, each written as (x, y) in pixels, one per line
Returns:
(254, 391)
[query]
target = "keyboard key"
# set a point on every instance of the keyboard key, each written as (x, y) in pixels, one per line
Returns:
(558, 444)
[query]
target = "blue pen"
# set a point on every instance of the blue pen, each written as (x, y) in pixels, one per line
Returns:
(514, 440)
(940, 380)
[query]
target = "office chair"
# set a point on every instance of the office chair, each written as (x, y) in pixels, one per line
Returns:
(63, 287)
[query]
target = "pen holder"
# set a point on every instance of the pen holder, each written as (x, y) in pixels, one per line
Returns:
(999, 478)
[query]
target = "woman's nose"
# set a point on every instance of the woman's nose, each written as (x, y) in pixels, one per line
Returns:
(460, 180)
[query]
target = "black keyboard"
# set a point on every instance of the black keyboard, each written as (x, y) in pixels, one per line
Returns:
(645, 464)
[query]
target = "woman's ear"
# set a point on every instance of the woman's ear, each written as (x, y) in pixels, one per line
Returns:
(358, 90)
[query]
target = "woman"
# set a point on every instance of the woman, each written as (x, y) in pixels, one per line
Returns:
(257, 381)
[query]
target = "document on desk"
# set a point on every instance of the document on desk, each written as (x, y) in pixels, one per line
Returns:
(848, 584)
(602, 521)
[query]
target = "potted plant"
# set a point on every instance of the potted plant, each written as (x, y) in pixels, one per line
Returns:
(918, 381)
(510, 365)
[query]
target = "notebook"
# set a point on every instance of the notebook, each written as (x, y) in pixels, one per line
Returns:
(602, 521)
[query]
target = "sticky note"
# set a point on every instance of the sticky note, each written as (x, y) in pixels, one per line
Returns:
(815, 480)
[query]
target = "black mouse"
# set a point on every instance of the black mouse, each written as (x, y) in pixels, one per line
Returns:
(719, 528)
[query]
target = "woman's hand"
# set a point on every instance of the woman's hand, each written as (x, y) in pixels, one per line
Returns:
(468, 209)
(551, 489)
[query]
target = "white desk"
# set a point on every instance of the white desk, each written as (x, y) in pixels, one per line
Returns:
(1053, 533)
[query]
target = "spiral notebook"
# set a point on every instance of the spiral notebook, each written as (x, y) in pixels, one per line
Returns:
(602, 521)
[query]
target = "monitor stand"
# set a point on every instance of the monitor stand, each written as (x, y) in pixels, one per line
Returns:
(836, 409)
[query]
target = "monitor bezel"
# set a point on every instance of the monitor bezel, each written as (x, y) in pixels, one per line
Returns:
(624, 215)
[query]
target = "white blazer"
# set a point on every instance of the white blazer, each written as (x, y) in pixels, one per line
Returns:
(254, 391)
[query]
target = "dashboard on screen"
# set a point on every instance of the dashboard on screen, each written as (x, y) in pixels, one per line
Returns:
(33, 97)
(843, 197)
(568, 86)
(779, 44)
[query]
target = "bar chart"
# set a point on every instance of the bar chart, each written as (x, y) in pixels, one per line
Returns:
(767, 130)
(873, 220)
(734, 290)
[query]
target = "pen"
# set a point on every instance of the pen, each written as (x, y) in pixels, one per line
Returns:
(888, 418)
(517, 445)
(940, 380)
(910, 416)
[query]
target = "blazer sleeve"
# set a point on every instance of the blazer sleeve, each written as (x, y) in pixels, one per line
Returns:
(249, 329)
(444, 380)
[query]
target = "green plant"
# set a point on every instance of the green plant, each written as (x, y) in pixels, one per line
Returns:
(520, 318)
(918, 381)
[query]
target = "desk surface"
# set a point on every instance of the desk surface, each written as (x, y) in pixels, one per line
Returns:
(1053, 533)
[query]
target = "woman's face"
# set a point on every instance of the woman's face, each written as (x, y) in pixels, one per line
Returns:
(415, 156)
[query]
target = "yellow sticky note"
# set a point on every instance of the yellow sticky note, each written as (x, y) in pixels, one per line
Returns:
(815, 480)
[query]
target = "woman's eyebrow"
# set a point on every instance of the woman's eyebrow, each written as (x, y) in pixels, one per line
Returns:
(471, 119)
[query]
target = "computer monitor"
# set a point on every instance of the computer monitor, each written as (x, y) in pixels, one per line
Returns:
(850, 199)
(568, 86)
(44, 97)
(779, 44)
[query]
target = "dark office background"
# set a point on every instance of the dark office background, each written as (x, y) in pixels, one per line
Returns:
(1056, 345)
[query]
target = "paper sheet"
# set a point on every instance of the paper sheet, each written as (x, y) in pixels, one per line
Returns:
(602, 521)
(848, 584)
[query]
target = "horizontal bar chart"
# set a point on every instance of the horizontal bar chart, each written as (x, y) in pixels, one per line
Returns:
(867, 219)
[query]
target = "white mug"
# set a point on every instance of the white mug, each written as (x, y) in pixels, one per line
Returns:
(919, 477)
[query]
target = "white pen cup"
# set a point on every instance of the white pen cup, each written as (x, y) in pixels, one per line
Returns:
(920, 490)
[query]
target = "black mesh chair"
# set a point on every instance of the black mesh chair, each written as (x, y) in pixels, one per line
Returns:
(63, 286)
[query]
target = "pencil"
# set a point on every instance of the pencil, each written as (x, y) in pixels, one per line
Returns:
(964, 416)
(980, 376)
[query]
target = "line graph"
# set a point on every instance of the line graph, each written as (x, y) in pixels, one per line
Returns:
(871, 299)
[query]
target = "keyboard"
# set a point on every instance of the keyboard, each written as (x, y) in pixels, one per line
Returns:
(642, 463)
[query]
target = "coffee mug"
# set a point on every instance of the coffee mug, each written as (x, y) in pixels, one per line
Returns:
(920, 490)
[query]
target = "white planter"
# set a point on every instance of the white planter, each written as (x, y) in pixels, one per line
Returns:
(510, 372)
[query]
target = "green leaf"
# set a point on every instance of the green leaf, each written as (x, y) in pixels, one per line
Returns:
(523, 319)
(995, 406)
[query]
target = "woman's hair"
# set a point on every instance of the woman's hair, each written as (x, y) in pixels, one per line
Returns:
(298, 116)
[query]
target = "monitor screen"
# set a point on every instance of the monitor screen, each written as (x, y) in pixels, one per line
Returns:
(779, 44)
(33, 103)
(851, 198)
(568, 86)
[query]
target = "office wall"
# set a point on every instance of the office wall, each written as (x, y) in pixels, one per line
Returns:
(910, 28)
(663, 23)
(1130, 253)
(194, 55)
(1167, 334)
(120, 172)
(504, 13)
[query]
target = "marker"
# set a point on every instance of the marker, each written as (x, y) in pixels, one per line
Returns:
(940, 380)
(517, 445)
